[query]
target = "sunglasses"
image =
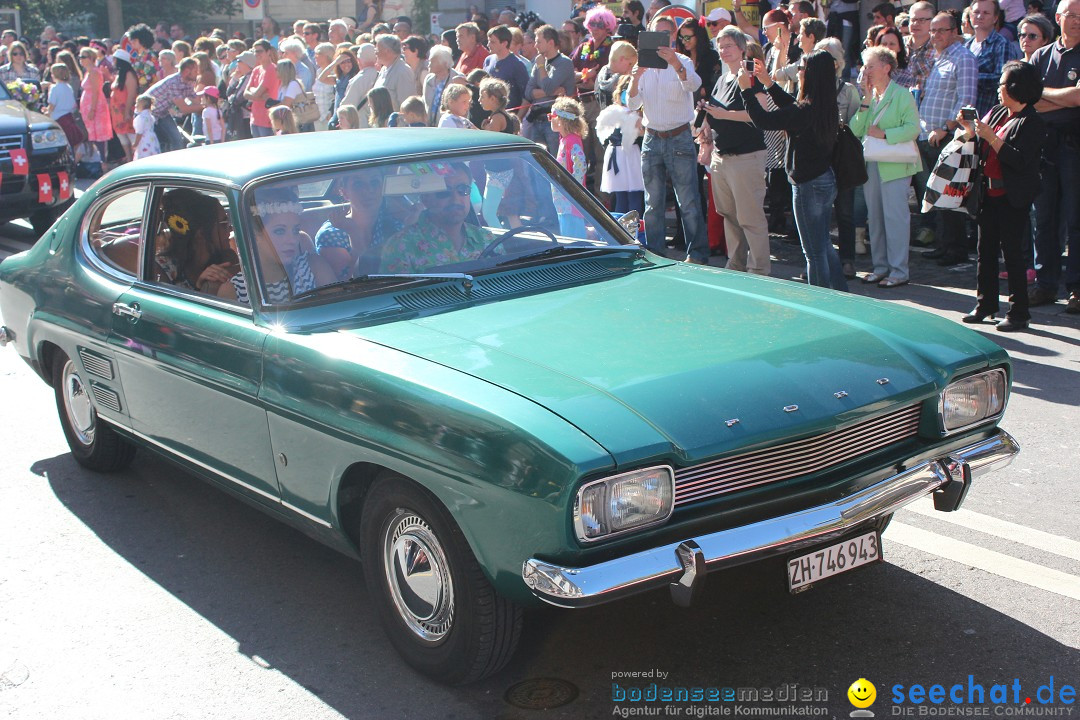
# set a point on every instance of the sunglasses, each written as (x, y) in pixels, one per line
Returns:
(18, 53)
(1030, 36)
(310, 32)
(462, 190)
(684, 38)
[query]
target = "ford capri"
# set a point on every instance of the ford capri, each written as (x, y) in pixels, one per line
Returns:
(435, 352)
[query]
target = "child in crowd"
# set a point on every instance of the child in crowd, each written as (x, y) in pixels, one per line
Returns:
(146, 141)
(348, 117)
(282, 121)
(494, 94)
(568, 119)
(213, 125)
(619, 129)
(455, 102)
(381, 107)
(413, 113)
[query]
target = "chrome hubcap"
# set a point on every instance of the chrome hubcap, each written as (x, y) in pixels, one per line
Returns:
(418, 576)
(80, 411)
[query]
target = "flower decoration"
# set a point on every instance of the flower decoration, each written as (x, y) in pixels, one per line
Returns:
(179, 224)
(25, 92)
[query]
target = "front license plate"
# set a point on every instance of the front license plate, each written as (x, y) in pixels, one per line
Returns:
(833, 560)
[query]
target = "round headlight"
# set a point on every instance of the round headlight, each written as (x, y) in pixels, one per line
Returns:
(52, 137)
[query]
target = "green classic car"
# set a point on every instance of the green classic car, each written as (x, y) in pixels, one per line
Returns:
(434, 351)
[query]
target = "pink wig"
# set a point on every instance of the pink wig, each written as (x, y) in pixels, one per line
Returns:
(601, 15)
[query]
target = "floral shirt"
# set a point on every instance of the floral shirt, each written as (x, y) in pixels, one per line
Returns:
(572, 157)
(423, 246)
(146, 68)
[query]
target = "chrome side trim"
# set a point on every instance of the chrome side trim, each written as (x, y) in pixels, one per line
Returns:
(606, 581)
(308, 515)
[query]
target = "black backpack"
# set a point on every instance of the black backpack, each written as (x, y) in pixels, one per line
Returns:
(848, 162)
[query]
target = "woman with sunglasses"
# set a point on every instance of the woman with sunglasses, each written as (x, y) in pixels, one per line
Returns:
(351, 241)
(1035, 32)
(18, 66)
(811, 122)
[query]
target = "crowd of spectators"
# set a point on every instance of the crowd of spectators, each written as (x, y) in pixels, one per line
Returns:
(734, 117)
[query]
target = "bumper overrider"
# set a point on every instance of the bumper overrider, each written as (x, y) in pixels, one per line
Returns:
(683, 565)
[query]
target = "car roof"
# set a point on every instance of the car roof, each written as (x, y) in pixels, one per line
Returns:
(241, 162)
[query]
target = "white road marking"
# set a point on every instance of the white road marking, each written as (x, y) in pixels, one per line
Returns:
(1001, 528)
(999, 564)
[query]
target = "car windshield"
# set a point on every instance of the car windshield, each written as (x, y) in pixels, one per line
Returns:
(421, 220)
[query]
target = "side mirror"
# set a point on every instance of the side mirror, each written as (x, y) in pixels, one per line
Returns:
(630, 222)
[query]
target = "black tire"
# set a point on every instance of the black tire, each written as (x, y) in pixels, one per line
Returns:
(448, 622)
(94, 444)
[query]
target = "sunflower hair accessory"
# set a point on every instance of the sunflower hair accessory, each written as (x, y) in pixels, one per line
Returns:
(179, 224)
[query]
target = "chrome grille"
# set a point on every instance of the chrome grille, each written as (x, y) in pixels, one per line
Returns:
(794, 459)
(9, 143)
(96, 365)
(106, 397)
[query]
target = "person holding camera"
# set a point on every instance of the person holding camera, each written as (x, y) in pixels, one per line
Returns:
(737, 164)
(1011, 138)
(812, 122)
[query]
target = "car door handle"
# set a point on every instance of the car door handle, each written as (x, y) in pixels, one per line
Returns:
(129, 311)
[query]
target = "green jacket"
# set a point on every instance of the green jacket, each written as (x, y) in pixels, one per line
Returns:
(900, 121)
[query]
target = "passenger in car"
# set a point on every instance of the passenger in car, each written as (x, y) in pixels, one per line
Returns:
(351, 244)
(441, 235)
(289, 266)
(192, 249)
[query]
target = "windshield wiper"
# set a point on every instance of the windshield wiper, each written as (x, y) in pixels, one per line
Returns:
(384, 278)
(560, 249)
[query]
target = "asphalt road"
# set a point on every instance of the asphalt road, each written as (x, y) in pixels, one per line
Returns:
(150, 594)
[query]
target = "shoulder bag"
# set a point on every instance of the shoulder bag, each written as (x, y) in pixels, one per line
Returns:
(848, 163)
(881, 150)
(305, 110)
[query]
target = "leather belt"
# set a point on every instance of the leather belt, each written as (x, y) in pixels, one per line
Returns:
(669, 133)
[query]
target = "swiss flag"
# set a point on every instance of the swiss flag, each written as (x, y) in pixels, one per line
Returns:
(44, 189)
(64, 184)
(20, 161)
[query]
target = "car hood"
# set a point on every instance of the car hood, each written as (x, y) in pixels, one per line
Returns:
(660, 362)
(15, 118)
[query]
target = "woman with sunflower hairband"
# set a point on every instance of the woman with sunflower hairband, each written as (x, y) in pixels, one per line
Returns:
(193, 252)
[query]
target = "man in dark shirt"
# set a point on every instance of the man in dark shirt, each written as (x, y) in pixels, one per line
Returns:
(505, 65)
(738, 164)
(1056, 204)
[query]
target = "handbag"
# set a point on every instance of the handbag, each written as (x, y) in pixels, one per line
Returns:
(957, 174)
(847, 162)
(881, 150)
(304, 109)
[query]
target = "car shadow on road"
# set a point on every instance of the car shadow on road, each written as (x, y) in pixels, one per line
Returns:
(302, 609)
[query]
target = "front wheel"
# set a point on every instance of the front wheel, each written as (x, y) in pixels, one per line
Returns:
(94, 444)
(436, 605)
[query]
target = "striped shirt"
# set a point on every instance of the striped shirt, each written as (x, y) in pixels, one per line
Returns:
(665, 101)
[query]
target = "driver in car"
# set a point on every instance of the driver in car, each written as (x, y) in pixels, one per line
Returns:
(441, 235)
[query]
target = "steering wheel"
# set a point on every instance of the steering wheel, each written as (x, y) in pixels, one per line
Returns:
(490, 249)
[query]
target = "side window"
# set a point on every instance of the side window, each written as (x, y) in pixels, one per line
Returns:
(115, 232)
(192, 246)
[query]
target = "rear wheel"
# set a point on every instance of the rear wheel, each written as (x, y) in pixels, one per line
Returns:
(436, 605)
(94, 444)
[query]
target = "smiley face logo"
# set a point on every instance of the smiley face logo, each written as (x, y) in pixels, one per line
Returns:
(862, 693)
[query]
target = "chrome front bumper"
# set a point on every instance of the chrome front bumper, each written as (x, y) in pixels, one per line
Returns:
(684, 564)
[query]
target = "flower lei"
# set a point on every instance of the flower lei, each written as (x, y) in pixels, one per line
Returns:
(587, 51)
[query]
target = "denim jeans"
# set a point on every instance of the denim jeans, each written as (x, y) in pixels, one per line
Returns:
(1056, 207)
(540, 132)
(260, 131)
(845, 223)
(813, 201)
(674, 157)
(168, 134)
